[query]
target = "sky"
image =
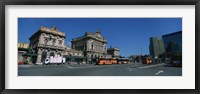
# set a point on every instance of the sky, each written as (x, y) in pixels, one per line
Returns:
(130, 35)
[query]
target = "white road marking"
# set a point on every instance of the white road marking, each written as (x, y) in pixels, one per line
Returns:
(159, 72)
(69, 67)
(150, 66)
(130, 68)
(96, 66)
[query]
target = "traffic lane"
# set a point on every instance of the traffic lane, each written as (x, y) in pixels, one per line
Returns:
(41, 71)
(62, 70)
(168, 71)
(110, 70)
(100, 70)
(103, 70)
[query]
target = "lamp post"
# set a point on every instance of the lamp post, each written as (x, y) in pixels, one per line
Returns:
(141, 55)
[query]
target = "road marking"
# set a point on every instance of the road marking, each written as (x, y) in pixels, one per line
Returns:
(69, 67)
(159, 72)
(151, 66)
(93, 66)
(130, 68)
(84, 67)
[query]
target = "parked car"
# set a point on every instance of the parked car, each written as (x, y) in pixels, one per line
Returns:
(168, 62)
(173, 63)
(177, 63)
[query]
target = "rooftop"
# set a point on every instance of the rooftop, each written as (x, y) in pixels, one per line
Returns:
(53, 30)
(95, 35)
(171, 34)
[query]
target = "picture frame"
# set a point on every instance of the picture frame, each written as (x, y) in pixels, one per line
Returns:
(98, 2)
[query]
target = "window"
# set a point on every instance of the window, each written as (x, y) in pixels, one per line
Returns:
(85, 47)
(92, 46)
(60, 41)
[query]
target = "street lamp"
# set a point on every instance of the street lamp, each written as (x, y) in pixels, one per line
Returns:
(141, 55)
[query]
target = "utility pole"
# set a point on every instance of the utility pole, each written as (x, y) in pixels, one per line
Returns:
(141, 55)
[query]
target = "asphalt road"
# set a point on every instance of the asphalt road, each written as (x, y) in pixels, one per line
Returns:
(99, 70)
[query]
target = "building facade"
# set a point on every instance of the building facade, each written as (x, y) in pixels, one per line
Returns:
(156, 47)
(74, 56)
(47, 43)
(173, 42)
(114, 52)
(22, 51)
(50, 43)
(93, 45)
(135, 58)
(23, 45)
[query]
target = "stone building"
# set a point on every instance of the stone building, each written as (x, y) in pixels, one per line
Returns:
(72, 55)
(93, 45)
(71, 52)
(114, 52)
(23, 45)
(22, 51)
(47, 43)
(50, 43)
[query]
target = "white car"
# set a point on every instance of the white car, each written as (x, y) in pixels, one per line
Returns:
(47, 61)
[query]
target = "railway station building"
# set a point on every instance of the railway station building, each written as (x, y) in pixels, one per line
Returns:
(93, 45)
(47, 43)
(50, 43)
(113, 51)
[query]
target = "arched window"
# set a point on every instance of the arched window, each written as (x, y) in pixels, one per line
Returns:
(51, 54)
(92, 46)
(59, 54)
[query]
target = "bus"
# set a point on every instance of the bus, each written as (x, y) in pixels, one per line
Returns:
(122, 61)
(106, 61)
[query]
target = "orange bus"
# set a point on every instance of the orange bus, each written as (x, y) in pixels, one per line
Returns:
(103, 61)
(113, 61)
(122, 61)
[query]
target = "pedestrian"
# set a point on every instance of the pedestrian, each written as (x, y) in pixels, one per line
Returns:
(63, 60)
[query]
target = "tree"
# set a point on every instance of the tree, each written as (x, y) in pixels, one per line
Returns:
(161, 55)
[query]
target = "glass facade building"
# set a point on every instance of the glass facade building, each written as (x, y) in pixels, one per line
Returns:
(156, 47)
(173, 42)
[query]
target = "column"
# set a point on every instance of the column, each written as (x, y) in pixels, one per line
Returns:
(39, 57)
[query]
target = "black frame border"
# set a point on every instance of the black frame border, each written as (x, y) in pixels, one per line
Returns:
(98, 2)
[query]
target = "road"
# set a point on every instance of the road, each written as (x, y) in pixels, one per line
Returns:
(99, 70)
